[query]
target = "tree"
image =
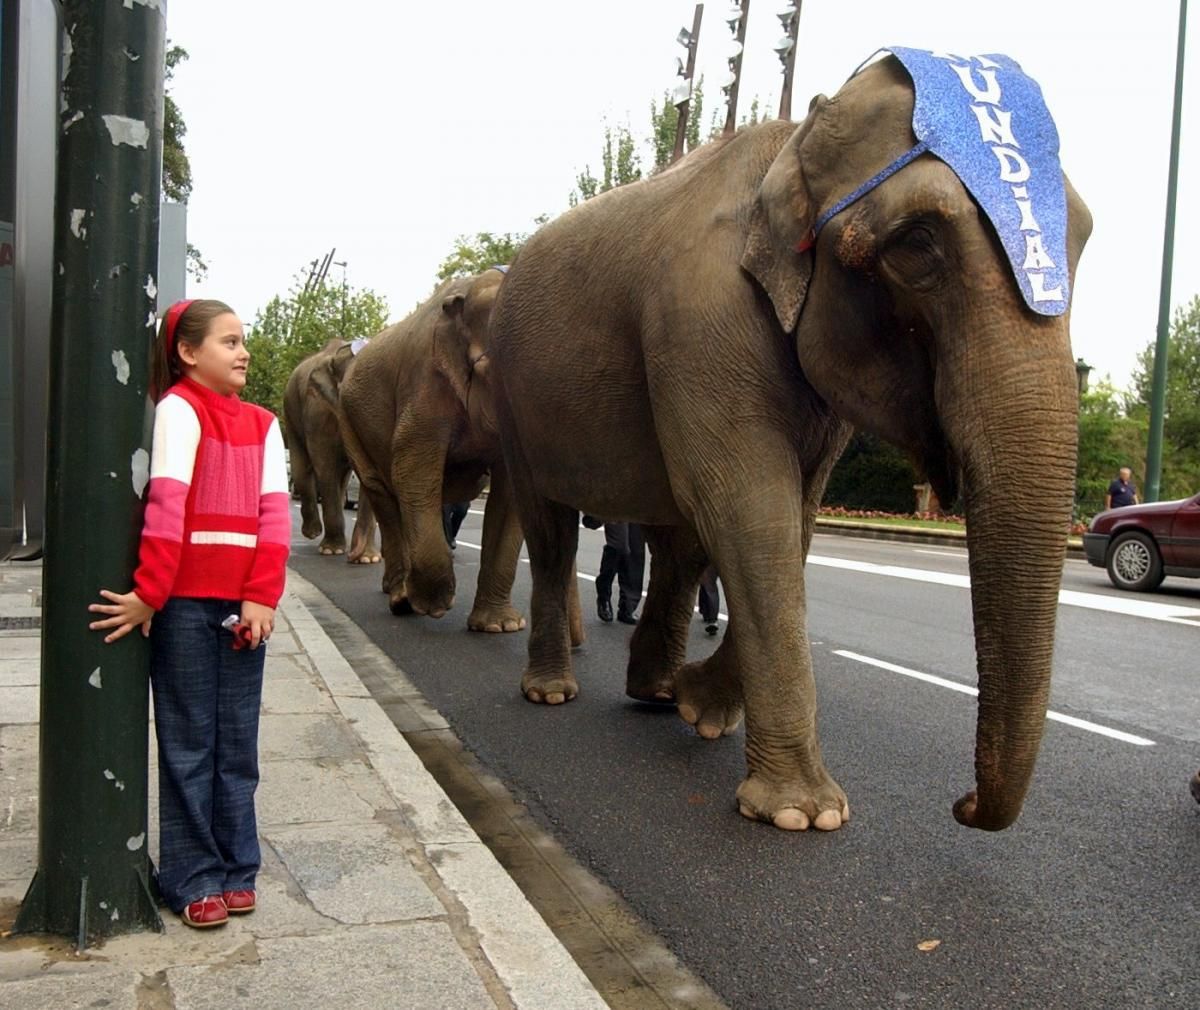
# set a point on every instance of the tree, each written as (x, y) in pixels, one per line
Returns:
(872, 474)
(1181, 421)
(664, 122)
(1108, 440)
(177, 169)
(485, 250)
(620, 162)
(290, 328)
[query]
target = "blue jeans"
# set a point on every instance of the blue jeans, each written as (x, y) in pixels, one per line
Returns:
(206, 704)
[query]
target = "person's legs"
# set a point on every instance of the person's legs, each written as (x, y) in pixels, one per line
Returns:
(615, 540)
(709, 599)
(235, 828)
(631, 573)
(185, 645)
(458, 512)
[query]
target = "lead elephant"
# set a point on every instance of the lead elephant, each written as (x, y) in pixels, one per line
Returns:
(731, 318)
(320, 468)
(416, 417)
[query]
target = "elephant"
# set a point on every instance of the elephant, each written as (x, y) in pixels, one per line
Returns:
(735, 317)
(320, 466)
(417, 421)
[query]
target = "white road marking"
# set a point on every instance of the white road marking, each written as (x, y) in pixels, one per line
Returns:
(929, 678)
(944, 554)
(1130, 606)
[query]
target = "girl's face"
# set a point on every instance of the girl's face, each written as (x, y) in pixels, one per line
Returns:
(221, 360)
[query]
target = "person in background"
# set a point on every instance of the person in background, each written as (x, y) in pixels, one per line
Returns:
(624, 557)
(1121, 492)
(452, 518)
(709, 600)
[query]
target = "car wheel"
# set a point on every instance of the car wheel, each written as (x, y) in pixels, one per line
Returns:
(1134, 562)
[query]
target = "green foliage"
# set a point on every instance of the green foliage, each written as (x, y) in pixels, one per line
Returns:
(872, 474)
(1181, 420)
(176, 169)
(664, 123)
(290, 328)
(485, 250)
(620, 162)
(1108, 440)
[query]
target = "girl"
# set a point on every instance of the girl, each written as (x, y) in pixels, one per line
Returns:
(214, 544)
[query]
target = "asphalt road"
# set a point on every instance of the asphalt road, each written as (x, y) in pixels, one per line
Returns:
(1090, 900)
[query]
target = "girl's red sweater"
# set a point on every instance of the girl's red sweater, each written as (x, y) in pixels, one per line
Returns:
(216, 521)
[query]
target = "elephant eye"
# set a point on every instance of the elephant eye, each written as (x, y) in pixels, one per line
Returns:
(914, 252)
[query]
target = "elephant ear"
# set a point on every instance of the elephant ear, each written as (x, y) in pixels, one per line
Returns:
(323, 382)
(450, 347)
(777, 251)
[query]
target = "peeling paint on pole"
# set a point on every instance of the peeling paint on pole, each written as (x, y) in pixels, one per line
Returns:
(124, 130)
(91, 826)
(140, 470)
(121, 366)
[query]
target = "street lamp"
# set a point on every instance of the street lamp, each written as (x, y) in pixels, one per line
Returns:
(785, 49)
(681, 95)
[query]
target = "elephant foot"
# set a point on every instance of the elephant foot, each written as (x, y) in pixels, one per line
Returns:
(813, 800)
(495, 619)
(549, 688)
(709, 697)
(311, 528)
(398, 604)
(363, 559)
(657, 689)
(430, 598)
(329, 549)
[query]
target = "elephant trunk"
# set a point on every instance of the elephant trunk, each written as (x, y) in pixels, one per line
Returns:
(1014, 429)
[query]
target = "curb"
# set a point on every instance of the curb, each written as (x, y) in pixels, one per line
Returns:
(913, 534)
(528, 958)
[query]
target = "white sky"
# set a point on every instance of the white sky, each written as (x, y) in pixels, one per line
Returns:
(387, 129)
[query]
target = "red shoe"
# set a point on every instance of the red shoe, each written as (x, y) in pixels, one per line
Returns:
(239, 902)
(209, 911)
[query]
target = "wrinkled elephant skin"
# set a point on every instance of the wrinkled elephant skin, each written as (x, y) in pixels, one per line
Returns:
(320, 466)
(416, 417)
(679, 353)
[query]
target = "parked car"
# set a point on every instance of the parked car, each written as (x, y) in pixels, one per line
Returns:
(1141, 544)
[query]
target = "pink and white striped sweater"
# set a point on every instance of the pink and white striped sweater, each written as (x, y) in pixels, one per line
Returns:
(216, 521)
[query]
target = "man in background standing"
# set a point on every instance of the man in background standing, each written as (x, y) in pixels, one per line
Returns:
(1121, 492)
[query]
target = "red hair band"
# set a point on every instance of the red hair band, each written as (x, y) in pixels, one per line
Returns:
(173, 314)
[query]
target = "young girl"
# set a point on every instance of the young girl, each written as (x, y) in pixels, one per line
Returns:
(214, 544)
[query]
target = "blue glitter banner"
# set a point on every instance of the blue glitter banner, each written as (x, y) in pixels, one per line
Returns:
(986, 119)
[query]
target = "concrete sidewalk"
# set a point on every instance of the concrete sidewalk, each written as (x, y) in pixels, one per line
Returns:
(374, 891)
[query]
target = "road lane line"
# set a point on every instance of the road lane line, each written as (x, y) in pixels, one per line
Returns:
(929, 678)
(1130, 607)
(941, 554)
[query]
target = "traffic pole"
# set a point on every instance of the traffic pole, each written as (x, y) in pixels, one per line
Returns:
(93, 876)
(735, 65)
(1158, 389)
(788, 57)
(685, 107)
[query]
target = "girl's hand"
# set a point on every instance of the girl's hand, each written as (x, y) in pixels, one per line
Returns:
(127, 611)
(260, 620)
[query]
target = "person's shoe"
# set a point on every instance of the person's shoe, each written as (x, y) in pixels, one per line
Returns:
(209, 911)
(711, 628)
(604, 610)
(1196, 787)
(625, 617)
(453, 545)
(239, 902)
